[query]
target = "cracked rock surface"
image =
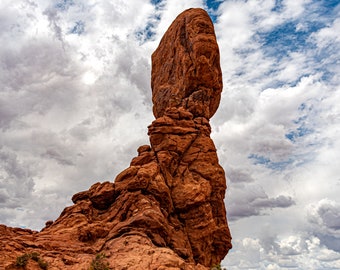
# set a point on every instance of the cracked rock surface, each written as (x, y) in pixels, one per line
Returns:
(166, 210)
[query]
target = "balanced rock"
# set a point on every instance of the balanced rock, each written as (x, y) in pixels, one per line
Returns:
(166, 210)
(186, 66)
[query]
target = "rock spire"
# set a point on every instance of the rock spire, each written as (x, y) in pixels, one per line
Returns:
(166, 210)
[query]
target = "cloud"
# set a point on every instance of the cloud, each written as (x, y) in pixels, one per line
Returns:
(53, 154)
(238, 176)
(281, 201)
(275, 127)
(293, 252)
(16, 177)
(67, 131)
(324, 218)
(251, 200)
(16, 185)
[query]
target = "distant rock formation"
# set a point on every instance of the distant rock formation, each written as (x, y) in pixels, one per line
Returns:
(166, 211)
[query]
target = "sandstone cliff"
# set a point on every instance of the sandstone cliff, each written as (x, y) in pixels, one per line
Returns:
(166, 210)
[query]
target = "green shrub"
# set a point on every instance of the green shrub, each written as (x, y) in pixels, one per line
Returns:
(35, 256)
(23, 260)
(99, 263)
(42, 264)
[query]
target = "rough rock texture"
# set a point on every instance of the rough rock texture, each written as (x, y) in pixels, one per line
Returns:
(186, 67)
(166, 210)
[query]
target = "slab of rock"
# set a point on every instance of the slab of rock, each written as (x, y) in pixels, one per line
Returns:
(166, 210)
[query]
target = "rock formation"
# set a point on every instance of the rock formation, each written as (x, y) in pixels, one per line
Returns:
(166, 210)
(186, 67)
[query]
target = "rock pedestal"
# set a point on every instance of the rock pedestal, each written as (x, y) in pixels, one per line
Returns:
(165, 211)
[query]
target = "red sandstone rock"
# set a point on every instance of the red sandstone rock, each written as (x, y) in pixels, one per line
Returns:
(166, 210)
(186, 66)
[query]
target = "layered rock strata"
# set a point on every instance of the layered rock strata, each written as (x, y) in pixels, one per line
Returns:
(166, 210)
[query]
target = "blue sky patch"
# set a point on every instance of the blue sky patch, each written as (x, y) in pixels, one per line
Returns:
(275, 83)
(299, 132)
(302, 106)
(64, 4)
(294, 36)
(327, 61)
(213, 6)
(78, 28)
(286, 38)
(278, 6)
(300, 119)
(327, 7)
(146, 34)
(302, 122)
(156, 2)
(265, 161)
(259, 159)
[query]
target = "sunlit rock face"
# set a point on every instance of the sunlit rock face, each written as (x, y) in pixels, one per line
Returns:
(166, 210)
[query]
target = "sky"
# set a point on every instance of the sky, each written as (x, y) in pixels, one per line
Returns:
(75, 103)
